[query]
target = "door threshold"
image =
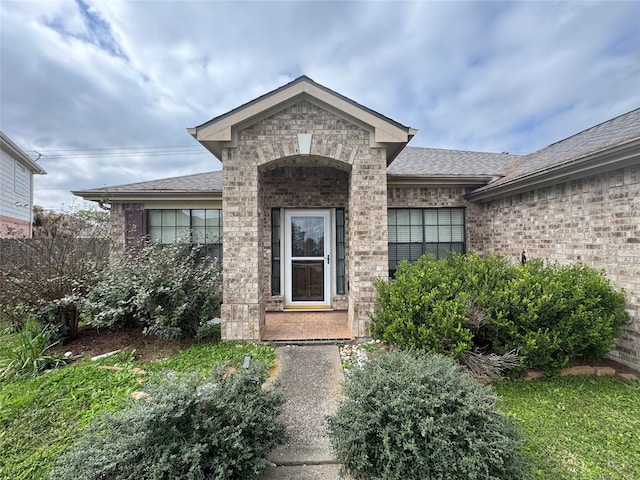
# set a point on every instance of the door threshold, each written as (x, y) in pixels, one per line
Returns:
(307, 308)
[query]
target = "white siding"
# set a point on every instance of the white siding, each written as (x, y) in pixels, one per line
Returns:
(13, 204)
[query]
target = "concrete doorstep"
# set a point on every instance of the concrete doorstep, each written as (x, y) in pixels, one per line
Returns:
(311, 378)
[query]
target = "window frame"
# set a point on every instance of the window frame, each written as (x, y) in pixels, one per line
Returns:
(212, 248)
(418, 228)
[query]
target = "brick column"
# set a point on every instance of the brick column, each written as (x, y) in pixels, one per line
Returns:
(367, 235)
(242, 309)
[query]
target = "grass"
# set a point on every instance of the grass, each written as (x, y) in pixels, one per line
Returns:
(42, 415)
(584, 428)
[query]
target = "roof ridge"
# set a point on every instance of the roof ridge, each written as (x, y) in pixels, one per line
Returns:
(303, 78)
(611, 120)
(464, 151)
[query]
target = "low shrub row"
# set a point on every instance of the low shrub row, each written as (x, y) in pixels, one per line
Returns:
(183, 428)
(171, 290)
(548, 313)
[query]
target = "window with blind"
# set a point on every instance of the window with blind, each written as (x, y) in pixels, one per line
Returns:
(416, 231)
(201, 226)
(20, 179)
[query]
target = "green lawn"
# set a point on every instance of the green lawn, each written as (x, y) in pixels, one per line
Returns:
(578, 428)
(40, 416)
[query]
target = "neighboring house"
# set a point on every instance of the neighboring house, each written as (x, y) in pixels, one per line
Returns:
(16, 189)
(321, 196)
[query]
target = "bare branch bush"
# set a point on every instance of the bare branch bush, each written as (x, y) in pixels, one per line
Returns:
(488, 367)
(47, 276)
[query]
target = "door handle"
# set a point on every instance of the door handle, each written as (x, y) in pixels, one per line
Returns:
(327, 259)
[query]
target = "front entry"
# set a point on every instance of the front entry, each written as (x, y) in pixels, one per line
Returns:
(307, 258)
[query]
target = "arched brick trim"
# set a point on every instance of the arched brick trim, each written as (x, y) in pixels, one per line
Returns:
(323, 153)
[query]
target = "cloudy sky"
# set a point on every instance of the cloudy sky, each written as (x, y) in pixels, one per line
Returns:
(104, 90)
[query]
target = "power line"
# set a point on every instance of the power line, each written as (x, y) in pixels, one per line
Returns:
(125, 152)
(120, 148)
(131, 154)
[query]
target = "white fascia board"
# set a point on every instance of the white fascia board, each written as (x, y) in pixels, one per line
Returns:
(221, 130)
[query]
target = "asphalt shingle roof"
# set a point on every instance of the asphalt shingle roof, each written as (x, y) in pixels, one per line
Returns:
(434, 162)
(208, 182)
(425, 162)
(593, 140)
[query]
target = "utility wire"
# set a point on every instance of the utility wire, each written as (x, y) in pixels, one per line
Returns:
(121, 148)
(124, 152)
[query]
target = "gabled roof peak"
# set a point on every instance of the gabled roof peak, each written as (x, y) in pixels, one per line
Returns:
(219, 132)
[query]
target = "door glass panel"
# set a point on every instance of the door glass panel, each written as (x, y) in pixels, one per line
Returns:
(307, 236)
(307, 271)
(308, 280)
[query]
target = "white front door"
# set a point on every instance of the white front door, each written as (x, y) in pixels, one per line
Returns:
(307, 258)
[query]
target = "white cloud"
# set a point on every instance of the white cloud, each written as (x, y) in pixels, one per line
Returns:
(494, 76)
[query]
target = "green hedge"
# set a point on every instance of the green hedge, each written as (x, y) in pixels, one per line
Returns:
(549, 313)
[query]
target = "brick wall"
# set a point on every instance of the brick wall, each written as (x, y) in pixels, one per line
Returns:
(14, 228)
(439, 197)
(117, 217)
(299, 187)
(368, 239)
(594, 220)
(273, 143)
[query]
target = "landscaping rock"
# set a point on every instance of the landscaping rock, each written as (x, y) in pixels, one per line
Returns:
(533, 375)
(111, 367)
(628, 376)
(579, 370)
(605, 371)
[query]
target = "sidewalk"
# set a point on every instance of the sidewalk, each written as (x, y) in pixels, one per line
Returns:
(311, 378)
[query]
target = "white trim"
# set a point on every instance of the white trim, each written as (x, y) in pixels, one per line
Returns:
(328, 271)
(332, 247)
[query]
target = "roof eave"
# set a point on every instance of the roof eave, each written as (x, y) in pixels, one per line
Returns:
(619, 156)
(438, 180)
(219, 132)
(16, 152)
(110, 196)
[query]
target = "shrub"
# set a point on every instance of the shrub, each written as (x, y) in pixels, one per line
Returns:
(547, 313)
(423, 308)
(183, 429)
(46, 277)
(171, 290)
(552, 313)
(416, 416)
(210, 330)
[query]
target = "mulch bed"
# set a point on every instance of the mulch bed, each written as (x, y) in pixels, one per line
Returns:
(91, 342)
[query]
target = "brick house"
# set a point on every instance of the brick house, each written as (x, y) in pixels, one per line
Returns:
(322, 195)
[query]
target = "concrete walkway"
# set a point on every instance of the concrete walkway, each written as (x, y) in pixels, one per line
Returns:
(311, 377)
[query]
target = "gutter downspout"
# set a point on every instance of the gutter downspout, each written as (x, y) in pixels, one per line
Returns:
(31, 197)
